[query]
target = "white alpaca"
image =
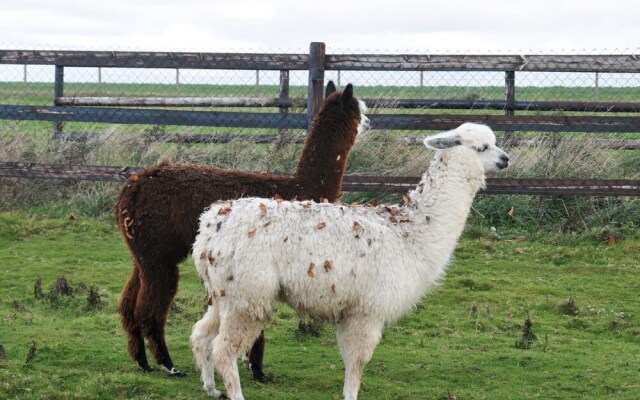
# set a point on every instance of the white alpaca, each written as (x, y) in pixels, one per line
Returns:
(359, 266)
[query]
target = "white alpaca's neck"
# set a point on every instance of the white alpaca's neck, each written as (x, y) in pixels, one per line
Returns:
(442, 201)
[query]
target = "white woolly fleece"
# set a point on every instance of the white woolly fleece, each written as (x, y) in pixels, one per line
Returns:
(328, 260)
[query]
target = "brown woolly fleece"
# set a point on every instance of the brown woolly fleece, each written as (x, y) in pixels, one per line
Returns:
(158, 212)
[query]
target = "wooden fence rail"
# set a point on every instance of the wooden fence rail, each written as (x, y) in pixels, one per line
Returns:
(571, 106)
(611, 144)
(141, 59)
(352, 183)
(335, 62)
(535, 123)
(174, 102)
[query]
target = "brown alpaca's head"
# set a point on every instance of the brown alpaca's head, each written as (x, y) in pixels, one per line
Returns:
(349, 103)
(333, 133)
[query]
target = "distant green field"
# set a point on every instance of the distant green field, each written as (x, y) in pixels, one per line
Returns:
(19, 93)
(42, 93)
(459, 341)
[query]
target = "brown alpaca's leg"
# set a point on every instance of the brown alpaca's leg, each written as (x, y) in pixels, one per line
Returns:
(154, 300)
(256, 355)
(126, 307)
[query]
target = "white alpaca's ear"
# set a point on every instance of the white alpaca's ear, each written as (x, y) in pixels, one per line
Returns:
(443, 140)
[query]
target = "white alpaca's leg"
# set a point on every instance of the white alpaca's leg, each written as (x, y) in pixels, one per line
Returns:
(357, 339)
(235, 336)
(202, 336)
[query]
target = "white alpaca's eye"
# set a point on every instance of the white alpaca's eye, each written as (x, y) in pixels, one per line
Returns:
(483, 148)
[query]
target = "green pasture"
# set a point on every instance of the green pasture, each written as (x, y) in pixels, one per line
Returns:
(38, 93)
(41, 94)
(464, 340)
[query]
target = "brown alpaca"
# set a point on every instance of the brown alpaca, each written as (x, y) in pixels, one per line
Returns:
(158, 212)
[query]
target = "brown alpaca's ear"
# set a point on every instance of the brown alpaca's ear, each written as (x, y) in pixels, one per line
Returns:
(347, 95)
(331, 87)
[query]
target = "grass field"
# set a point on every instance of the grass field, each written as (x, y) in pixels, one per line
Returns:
(570, 265)
(42, 93)
(459, 342)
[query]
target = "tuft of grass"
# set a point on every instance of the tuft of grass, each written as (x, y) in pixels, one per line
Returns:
(37, 289)
(62, 288)
(556, 218)
(309, 328)
(570, 308)
(31, 355)
(93, 298)
(528, 337)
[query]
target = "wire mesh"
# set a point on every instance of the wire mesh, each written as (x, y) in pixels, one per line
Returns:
(576, 119)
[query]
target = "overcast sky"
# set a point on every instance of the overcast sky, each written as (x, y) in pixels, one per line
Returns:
(473, 26)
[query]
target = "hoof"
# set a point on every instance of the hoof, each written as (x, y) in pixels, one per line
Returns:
(216, 393)
(147, 369)
(262, 378)
(171, 373)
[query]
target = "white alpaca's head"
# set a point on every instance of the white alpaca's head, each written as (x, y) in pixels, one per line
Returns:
(480, 138)
(364, 120)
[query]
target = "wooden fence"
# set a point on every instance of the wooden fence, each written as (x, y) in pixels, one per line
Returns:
(101, 109)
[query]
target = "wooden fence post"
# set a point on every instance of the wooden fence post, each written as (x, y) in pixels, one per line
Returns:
(510, 97)
(284, 96)
(316, 80)
(58, 91)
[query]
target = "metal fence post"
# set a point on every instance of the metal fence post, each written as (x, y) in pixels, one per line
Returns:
(99, 80)
(25, 77)
(510, 97)
(316, 80)
(58, 91)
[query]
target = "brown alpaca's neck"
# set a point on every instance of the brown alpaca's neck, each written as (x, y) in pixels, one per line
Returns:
(323, 160)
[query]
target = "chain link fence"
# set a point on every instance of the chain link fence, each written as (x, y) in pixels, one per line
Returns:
(559, 116)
